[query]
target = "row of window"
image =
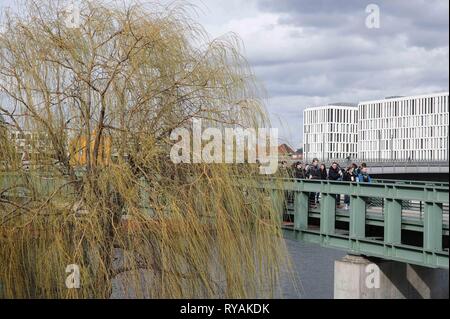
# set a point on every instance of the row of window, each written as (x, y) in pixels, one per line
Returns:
(416, 144)
(324, 156)
(440, 155)
(334, 147)
(412, 106)
(314, 128)
(330, 138)
(331, 115)
(404, 133)
(398, 122)
(330, 127)
(17, 135)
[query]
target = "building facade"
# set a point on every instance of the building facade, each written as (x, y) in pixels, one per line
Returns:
(80, 146)
(330, 132)
(404, 128)
(30, 145)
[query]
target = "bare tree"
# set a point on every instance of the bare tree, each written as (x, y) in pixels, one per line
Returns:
(128, 75)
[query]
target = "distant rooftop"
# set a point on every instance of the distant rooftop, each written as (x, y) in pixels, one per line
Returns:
(343, 104)
(331, 105)
(285, 149)
(393, 97)
(405, 97)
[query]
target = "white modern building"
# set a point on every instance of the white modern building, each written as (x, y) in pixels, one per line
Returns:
(404, 128)
(330, 132)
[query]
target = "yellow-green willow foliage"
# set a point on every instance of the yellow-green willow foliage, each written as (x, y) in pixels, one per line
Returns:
(137, 224)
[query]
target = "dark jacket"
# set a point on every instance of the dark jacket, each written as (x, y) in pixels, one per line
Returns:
(349, 177)
(314, 172)
(323, 174)
(334, 174)
(299, 173)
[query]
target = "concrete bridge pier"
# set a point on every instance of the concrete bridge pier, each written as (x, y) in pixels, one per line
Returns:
(358, 277)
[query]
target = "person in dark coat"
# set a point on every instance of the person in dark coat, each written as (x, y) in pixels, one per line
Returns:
(313, 173)
(323, 176)
(299, 171)
(335, 174)
(284, 170)
(314, 170)
(323, 172)
(349, 176)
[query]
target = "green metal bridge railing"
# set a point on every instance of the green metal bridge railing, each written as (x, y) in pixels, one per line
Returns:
(378, 223)
(407, 221)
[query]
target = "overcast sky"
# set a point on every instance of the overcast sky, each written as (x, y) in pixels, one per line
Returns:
(314, 52)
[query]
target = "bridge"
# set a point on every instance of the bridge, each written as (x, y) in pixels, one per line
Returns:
(398, 220)
(401, 222)
(406, 222)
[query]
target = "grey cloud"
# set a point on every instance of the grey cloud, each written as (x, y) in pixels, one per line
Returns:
(424, 23)
(315, 52)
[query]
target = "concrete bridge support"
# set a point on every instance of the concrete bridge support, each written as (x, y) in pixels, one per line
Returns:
(357, 277)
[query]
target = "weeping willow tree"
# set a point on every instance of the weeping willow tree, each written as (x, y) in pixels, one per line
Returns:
(93, 185)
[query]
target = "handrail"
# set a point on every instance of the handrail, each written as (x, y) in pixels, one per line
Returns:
(375, 181)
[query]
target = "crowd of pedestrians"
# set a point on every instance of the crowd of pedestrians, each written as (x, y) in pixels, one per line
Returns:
(316, 171)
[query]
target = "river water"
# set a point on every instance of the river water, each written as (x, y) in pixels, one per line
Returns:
(313, 271)
(311, 277)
